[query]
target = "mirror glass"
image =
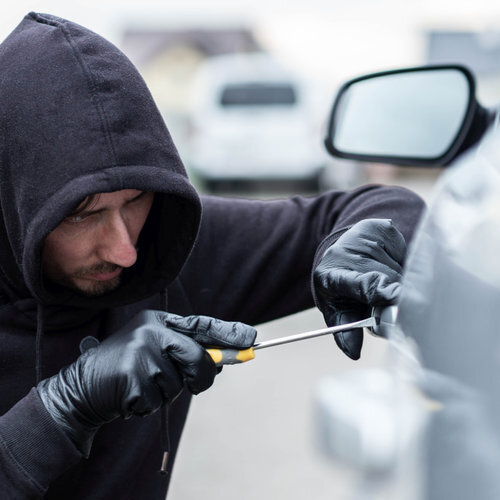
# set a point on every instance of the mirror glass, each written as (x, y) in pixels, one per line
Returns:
(414, 114)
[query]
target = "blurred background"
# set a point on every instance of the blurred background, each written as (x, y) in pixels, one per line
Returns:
(254, 124)
(245, 89)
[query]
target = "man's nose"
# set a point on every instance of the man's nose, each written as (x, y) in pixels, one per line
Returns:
(117, 246)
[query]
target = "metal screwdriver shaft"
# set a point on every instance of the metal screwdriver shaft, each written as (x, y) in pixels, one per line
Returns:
(365, 323)
(235, 356)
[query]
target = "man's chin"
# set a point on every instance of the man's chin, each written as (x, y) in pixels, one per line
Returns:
(95, 288)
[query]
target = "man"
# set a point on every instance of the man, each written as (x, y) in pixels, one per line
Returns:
(110, 276)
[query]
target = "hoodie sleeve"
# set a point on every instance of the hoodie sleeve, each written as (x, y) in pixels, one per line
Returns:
(33, 451)
(254, 258)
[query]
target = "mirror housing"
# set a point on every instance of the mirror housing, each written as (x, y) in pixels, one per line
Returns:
(422, 116)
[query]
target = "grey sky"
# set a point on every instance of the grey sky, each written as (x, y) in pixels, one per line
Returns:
(329, 39)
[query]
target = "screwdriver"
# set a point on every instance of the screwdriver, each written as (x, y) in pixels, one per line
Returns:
(223, 356)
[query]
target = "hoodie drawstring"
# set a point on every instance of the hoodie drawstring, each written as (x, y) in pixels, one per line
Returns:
(38, 343)
(165, 439)
(164, 434)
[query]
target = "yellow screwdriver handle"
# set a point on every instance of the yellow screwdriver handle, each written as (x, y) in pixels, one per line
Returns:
(231, 356)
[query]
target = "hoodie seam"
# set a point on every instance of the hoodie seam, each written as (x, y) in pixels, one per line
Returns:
(94, 95)
(40, 18)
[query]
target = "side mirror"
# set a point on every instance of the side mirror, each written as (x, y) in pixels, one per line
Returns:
(417, 116)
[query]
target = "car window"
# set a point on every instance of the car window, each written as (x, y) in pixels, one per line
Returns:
(257, 94)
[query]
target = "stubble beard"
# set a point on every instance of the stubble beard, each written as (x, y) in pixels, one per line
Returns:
(79, 281)
(95, 288)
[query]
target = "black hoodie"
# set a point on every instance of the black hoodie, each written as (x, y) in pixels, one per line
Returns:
(76, 118)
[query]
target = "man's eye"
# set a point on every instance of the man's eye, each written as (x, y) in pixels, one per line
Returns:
(75, 219)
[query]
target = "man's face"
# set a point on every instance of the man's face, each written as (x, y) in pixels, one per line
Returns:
(89, 249)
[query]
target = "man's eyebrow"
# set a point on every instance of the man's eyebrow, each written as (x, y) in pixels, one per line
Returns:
(142, 193)
(91, 211)
(84, 212)
(88, 209)
(85, 206)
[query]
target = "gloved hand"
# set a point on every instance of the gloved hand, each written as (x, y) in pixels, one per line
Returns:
(360, 270)
(137, 370)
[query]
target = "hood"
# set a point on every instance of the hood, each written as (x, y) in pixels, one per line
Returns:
(76, 118)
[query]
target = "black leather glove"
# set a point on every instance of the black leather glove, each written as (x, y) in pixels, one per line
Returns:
(137, 370)
(360, 270)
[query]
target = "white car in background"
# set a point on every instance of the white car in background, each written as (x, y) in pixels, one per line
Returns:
(252, 120)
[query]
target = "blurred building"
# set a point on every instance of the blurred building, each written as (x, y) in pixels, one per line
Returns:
(168, 59)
